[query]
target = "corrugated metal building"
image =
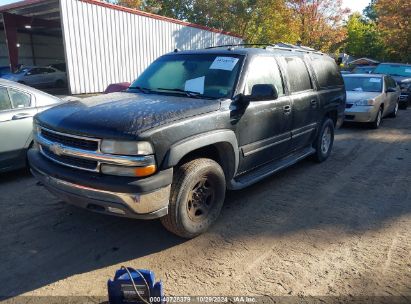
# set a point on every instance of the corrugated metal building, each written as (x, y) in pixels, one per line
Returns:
(102, 43)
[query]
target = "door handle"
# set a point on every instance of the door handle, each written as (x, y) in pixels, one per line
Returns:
(313, 103)
(287, 109)
(21, 116)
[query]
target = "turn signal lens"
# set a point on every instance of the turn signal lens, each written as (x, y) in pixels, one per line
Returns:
(145, 171)
(128, 171)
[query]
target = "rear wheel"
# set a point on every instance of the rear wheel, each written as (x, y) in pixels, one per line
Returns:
(324, 142)
(197, 195)
(394, 113)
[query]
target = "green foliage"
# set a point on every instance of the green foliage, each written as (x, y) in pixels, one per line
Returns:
(363, 38)
(370, 12)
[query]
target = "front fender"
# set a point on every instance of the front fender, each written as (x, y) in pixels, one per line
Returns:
(178, 150)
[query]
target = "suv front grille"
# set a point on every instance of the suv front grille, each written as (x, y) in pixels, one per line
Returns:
(70, 161)
(75, 142)
(58, 140)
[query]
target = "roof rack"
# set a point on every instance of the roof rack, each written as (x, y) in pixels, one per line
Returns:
(279, 45)
(237, 45)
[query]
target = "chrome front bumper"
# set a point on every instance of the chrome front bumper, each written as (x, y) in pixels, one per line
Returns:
(133, 205)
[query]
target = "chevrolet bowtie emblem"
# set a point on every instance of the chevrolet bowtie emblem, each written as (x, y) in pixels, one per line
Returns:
(56, 149)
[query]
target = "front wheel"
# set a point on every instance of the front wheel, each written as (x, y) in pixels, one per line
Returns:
(324, 141)
(59, 83)
(197, 195)
(377, 122)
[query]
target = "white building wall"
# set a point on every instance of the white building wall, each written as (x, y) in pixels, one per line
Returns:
(105, 45)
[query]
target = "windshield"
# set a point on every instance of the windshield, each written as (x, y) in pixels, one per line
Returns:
(363, 84)
(203, 75)
(394, 70)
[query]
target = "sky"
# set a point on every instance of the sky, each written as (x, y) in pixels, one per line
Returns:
(354, 5)
(4, 2)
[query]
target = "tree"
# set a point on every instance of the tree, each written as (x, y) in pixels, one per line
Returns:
(394, 23)
(317, 23)
(363, 38)
(320, 22)
(369, 12)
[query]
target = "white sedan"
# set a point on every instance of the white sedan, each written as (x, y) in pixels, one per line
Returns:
(40, 77)
(18, 105)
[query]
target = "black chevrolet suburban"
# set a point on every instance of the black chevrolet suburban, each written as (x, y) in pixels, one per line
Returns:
(194, 124)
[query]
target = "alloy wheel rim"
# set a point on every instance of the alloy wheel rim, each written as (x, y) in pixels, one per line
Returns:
(326, 140)
(201, 199)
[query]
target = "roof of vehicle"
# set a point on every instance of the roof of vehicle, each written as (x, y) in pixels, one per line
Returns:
(245, 49)
(364, 75)
(365, 66)
(395, 63)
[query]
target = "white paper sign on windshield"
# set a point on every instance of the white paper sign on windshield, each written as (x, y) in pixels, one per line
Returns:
(195, 85)
(376, 80)
(224, 63)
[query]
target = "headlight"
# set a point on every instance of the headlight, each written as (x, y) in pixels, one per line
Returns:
(126, 147)
(128, 171)
(365, 102)
(36, 128)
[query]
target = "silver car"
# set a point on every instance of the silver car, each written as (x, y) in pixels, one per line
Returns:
(39, 77)
(18, 105)
(370, 98)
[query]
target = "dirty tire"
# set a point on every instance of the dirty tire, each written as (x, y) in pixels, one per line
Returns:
(197, 195)
(59, 83)
(378, 119)
(394, 113)
(324, 142)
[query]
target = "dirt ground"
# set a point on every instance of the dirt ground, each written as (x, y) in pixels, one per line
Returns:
(340, 228)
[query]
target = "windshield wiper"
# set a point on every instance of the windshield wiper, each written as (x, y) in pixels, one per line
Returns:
(144, 90)
(192, 94)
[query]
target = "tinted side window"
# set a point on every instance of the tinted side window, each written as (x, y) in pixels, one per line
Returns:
(31, 72)
(264, 70)
(19, 99)
(5, 103)
(43, 71)
(326, 71)
(298, 75)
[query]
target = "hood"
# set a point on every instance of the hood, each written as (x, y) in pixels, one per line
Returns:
(400, 79)
(355, 96)
(122, 114)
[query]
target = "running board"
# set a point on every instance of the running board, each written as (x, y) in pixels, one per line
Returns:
(266, 170)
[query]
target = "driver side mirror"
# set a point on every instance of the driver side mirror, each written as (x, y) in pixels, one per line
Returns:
(261, 92)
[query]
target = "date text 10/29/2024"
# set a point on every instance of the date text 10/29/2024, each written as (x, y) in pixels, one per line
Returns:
(204, 299)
